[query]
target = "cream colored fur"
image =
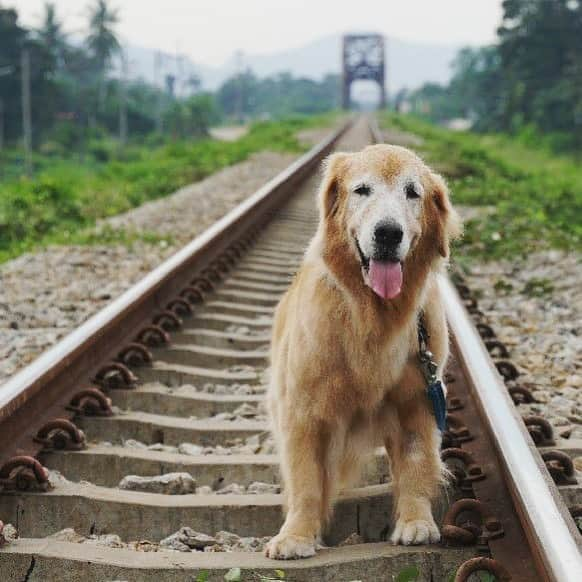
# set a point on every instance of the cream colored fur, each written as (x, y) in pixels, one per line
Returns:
(344, 374)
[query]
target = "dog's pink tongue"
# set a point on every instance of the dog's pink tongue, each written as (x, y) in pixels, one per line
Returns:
(385, 278)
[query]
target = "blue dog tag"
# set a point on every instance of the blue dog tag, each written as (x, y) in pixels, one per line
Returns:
(436, 395)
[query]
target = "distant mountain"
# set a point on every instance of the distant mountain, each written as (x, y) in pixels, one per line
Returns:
(409, 64)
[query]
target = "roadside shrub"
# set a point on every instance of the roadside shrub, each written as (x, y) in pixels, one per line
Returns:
(67, 195)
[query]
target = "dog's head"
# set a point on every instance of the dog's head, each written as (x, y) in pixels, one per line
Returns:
(385, 206)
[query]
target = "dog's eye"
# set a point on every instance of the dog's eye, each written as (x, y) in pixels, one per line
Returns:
(411, 191)
(363, 190)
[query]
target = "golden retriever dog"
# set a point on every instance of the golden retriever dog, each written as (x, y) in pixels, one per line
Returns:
(345, 374)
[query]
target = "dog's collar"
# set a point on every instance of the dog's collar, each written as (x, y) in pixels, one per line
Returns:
(434, 387)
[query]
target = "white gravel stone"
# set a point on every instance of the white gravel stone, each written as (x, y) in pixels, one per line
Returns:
(67, 535)
(259, 488)
(43, 296)
(8, 534)
(133, 444)
(186, 539)
(534, 306)
(190, 449)
(231, 489)
(352, 540)
(107, 540)
(168, 484)
(227, 538)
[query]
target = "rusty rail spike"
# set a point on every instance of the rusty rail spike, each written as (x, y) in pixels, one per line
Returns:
(474, 472)
(496, 348)
(485, 331)
(192, 294)
(471, 304)
(469, 533)
(457, 277)
(457, 429)
(241, 245)
(482, 564)
(228, 259)
(61, 434)
(234, 253)
(560, 467)
(180, 307)
(203, 284)
(168, 321)
(212, 273)
(454, 403)
(540, 430)
(507, 370)
(91, 402)
(521, 395)
(22, 473)
(115, 375)
(222, 265)
(463, 290)
(576, 513)
(135, 354)
(153, 336)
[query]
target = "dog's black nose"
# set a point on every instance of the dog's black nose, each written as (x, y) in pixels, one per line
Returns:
(388, 235)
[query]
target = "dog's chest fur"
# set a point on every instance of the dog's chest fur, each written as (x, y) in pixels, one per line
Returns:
(378, 364)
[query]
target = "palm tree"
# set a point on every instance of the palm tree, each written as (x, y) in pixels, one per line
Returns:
(102, 41)
(51, 34)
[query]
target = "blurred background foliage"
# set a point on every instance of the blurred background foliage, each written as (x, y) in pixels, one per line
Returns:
(78, 98)
(529, 83)
(103, 143)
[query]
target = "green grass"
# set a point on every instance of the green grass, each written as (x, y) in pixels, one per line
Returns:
(66, 196)
(535, 196)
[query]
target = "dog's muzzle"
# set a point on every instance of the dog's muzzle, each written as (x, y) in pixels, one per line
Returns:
(382, 272)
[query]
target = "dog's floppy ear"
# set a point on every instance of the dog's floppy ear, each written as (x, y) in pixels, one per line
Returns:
(329, 189)
(448, 222)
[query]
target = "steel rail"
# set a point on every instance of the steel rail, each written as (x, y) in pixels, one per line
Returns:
(33, 395)
(536, 498)
(543, 515)
(42, 389)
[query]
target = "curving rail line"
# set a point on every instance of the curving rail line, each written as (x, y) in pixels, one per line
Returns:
(177, 363)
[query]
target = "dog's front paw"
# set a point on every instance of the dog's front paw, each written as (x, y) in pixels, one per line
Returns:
(290, 547)
(416, 531)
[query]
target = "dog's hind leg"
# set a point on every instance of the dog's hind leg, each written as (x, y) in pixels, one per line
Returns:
(416, 472)
(308, 474)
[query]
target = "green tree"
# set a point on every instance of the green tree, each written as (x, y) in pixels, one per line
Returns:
(12, 38)
(277, 95)
(102, 42)
(541, 54)
(192, 117)
(51, 35)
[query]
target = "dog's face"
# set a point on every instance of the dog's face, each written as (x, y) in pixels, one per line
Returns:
(382, 201)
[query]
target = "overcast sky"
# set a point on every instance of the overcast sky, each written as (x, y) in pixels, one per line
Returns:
(210, 31)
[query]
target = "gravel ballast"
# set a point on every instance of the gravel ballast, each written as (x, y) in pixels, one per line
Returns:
(45, 295)
(534, 306)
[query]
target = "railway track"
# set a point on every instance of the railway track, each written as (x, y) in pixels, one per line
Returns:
(168, 383)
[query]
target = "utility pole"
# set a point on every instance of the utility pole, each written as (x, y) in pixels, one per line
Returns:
(179, 60)
(159, 88)
(1, 124)
(239, 99)
(26, 111)
(123, 99)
